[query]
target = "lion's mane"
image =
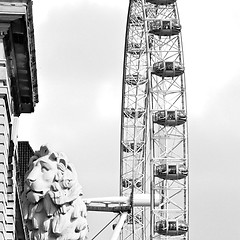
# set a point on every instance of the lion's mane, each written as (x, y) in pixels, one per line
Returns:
(58, 213)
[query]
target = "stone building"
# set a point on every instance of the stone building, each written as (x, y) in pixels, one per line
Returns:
(18, 95)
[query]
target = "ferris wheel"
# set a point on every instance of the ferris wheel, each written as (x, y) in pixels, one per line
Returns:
(154, 139)
(153, 202)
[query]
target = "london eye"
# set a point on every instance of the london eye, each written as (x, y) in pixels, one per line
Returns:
(154, 136)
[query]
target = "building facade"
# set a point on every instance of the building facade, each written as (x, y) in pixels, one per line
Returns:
(18, 95)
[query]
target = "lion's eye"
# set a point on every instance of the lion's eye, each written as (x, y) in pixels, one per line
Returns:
(45, 166)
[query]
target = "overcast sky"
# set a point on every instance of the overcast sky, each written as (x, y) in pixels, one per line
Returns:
(79, 49)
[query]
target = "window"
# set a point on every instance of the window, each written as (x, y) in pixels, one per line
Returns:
(169, 65)
(172, 169)
(166, 25)
(172, 226)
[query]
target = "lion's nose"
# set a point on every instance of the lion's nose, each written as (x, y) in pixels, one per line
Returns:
(32, 176)
(29, 181)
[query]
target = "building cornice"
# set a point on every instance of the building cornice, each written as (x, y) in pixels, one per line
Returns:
(16, 28)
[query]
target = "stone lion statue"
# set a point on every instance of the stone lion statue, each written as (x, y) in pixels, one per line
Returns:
(51, 200)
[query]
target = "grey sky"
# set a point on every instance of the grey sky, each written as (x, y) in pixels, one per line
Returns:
(79, 60)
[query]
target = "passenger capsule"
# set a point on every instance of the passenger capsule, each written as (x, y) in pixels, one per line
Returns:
(135, 79)
(129, 147)
(171, 171)
(136, 20)
(165, 27)
(127, 182)
(137, 219)
(168, 69)
(171, 227)
(135, 48)
(161, 2)
(169, 117)
(132, 113)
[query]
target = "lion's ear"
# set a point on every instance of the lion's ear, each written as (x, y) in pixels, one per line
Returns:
(53, 156)
(63, 162)
(44, 150)
(63, 159)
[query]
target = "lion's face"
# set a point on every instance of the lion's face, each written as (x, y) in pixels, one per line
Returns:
(40, 178)
(51, 200)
